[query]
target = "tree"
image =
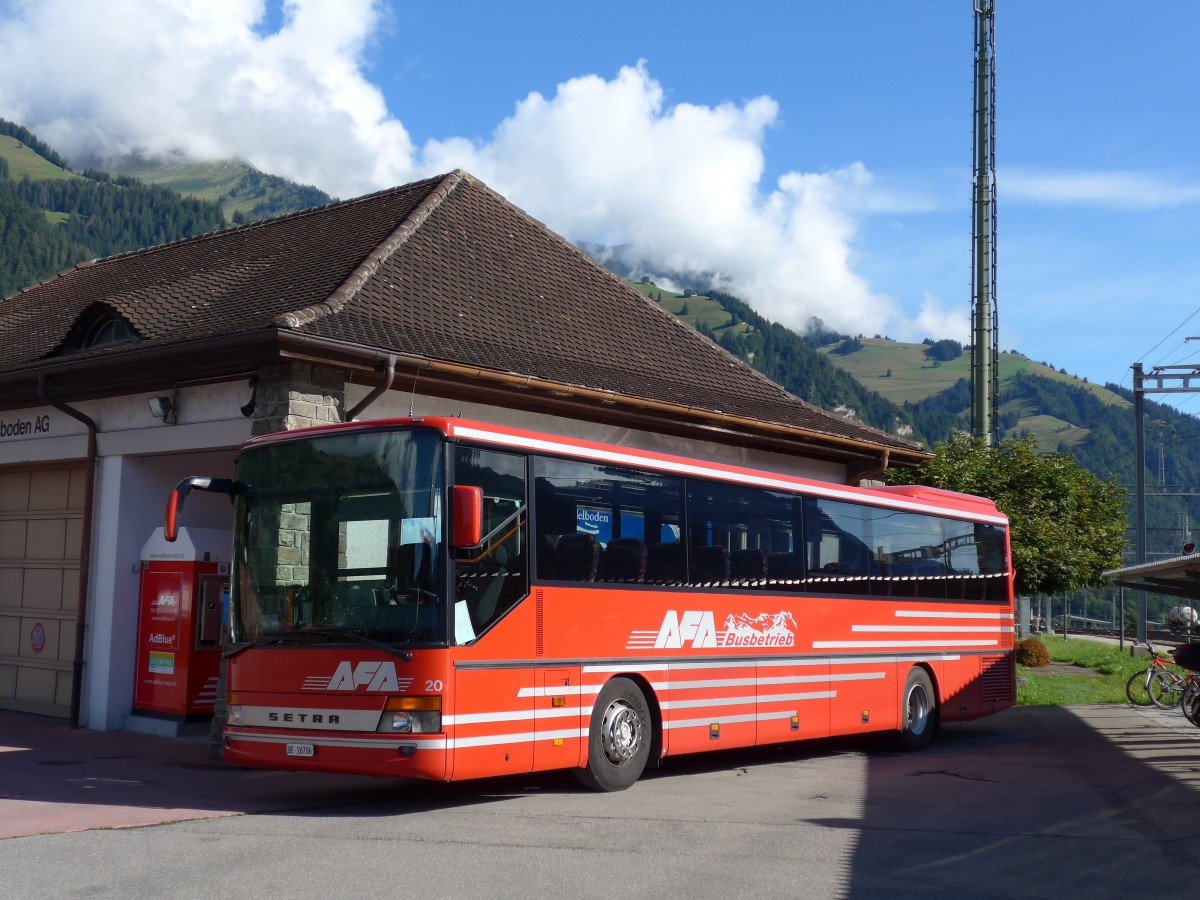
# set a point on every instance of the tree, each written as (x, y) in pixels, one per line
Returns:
(945, 351)
(1067, 525)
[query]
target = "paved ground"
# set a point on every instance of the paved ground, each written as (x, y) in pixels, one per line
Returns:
(1097, 801)
(55, 779)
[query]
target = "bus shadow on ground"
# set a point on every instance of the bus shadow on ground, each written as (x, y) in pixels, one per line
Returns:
(1077, 801)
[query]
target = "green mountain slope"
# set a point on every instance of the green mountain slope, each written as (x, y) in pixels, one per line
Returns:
(52, 217)
(915, 375)
(782, 356)
(243, 193)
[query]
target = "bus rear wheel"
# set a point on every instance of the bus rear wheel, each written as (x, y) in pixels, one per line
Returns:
(618, 738)
(918, 711)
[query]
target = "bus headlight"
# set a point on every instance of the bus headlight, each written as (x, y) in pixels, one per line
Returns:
(405, 722)
(233, 715)
(411, 715)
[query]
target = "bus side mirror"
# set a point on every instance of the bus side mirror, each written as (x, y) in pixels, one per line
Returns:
(468, 516)
(181, 490)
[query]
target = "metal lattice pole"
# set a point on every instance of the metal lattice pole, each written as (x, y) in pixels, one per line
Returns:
(985, 378)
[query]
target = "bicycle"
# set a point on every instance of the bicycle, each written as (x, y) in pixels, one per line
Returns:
(1157, 685)
(1187, 658)
(1169, 689)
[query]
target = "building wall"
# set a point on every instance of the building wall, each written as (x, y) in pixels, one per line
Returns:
(140, 458)
(399, 403)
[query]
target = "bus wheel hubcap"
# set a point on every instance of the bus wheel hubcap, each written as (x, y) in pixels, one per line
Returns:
(622, 732)
(918, 711)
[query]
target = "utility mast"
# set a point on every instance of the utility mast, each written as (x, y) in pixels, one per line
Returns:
(985, 379)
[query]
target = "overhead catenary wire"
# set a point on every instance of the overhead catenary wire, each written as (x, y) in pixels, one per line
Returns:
(1125, 382)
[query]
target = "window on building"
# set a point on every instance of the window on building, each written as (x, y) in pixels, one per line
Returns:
(98, 326)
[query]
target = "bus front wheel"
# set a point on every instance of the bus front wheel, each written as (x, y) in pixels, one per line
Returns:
(918, 711)
(618, 738)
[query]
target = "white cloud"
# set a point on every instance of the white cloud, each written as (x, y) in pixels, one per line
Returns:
(156, 76)
(1122, 190)
(601, 159)
(936, 318)
(609, 161)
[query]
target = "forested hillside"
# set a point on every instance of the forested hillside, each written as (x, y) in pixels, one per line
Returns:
(112, 215)
(243, 193)
(52, 218)
(30, 247)
(781, 355)
(787, 359)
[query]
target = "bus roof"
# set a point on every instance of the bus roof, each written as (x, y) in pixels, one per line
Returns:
(913, 498)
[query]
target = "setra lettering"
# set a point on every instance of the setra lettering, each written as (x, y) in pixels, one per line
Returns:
(301, 718)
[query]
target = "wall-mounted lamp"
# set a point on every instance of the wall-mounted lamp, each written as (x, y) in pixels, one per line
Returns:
(163, 408)
(248, 409)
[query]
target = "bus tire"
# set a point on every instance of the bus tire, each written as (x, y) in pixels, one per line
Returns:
(918, 711)
(618, 738)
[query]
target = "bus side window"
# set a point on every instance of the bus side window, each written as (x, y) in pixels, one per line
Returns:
(840, 558)
(737, 532)
(605, 524)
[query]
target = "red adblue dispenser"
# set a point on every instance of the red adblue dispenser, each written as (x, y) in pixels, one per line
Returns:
(182, 603)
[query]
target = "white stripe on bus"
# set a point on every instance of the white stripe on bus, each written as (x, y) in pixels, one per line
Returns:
(860, 645)
(934, 629)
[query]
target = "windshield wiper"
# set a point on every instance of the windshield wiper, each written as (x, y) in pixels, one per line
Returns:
(358, 636)
(310, 636)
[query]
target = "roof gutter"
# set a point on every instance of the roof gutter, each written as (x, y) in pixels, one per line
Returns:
(85, 541)
(302, 342)
(139, 359)
(325, 351)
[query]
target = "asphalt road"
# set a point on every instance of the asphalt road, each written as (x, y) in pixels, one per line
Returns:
(1088, 801)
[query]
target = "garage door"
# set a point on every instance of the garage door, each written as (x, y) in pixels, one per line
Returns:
(41, 520)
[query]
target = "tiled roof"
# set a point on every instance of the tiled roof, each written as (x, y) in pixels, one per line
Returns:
(444, 269)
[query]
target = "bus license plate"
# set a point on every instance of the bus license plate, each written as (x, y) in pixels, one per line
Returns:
(301, 750)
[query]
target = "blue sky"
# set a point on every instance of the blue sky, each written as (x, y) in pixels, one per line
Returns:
(815, 155)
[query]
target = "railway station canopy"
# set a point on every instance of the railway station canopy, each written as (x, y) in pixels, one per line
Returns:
(1177, 577)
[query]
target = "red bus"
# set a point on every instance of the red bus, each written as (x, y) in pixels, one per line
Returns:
(445, 599)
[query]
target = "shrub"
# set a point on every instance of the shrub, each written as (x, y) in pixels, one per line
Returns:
(1032, 653)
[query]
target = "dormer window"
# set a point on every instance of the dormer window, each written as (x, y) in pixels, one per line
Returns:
(106, 333)
(97, 327)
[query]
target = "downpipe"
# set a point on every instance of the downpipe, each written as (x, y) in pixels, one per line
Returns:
(85, 548)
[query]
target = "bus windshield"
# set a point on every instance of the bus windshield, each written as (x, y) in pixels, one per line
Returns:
(340, 537)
